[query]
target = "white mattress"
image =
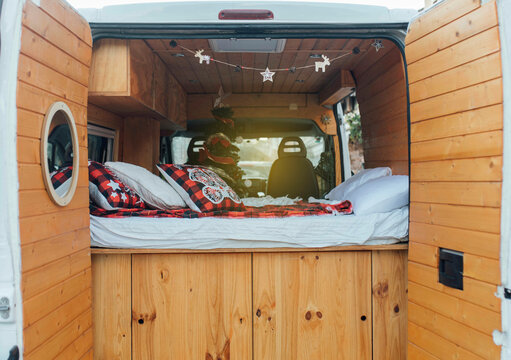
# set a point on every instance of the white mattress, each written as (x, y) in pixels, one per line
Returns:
(224, 233)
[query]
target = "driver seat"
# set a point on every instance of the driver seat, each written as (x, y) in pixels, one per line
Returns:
(292, 174)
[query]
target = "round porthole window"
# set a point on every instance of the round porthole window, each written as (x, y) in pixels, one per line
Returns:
(59, 153)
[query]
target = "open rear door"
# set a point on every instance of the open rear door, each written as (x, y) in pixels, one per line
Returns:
(456, 109)
(53, 66)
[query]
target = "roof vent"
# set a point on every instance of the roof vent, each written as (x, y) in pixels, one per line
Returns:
(248, 45)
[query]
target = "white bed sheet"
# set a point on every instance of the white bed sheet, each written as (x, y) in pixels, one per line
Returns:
(224, 233)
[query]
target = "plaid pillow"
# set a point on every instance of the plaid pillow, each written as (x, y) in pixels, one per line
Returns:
(61, 180)
(201, 188)
(108, 192)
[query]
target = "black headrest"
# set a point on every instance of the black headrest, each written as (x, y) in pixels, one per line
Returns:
(292, 146)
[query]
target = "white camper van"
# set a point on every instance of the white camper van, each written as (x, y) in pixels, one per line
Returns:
(255, 180)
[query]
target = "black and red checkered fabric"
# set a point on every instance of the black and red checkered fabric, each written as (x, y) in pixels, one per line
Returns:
(201, 188)
(116, 194)
(60, 176)
(270, 211)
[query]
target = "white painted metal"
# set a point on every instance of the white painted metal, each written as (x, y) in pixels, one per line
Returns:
(284, 12)
(11, 331)
(503, 337)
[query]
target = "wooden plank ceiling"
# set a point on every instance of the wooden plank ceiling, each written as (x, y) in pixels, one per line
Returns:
(202, 78)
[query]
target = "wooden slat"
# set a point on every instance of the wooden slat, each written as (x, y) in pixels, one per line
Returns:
(475, 72)
(380, 83)
(111, 296)
(437, 345)
(192, 306)
(78, 347)
(473, 23)
(38, 280)
(31, 98)
(459, 147)
(486, 43)
(41, 23)
(474, 291)
(473, 97)
(467, 122)
(389, 289)
(31, 178)
(40, 227)
(62, 339)
(474, 242)
(443, 14)
(37, 202)
(395, 138)
(38, 48)
(60, 11)
(45, 251)
(389, 153)
(297, 317)
(479, 169)
(472, 340)
(486, 194)
(50, 300)
(464, 217)
(398, 167)
(454, 308)
(417, 353)
(402, 246)
(38, 333)
(43, 77)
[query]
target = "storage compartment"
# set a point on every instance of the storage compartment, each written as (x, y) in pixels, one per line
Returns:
(262, 305)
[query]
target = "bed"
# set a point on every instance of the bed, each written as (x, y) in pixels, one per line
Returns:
(276, 232)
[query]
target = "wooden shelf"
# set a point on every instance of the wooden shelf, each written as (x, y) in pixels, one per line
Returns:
(400, 246)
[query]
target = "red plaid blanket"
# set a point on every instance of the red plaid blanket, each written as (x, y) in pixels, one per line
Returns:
(270, 211)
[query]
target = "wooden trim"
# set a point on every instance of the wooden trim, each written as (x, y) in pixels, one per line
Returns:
(401, 246)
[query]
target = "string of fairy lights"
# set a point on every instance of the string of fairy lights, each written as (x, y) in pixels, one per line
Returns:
(268, 73)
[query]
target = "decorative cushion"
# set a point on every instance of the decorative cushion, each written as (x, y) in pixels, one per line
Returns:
(154, 191)
(380, 195)
(61, 180)
(341, 191)
(201, 188)
(108, 192)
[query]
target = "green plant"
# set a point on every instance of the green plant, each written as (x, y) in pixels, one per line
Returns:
(354, 127)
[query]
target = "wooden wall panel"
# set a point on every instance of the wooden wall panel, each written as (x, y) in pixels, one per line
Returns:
(295, 295)
(111, 306)
(192, 306)
(455, 78)
(141, 142)
(381, 94)
(56, 281)
(389, 282)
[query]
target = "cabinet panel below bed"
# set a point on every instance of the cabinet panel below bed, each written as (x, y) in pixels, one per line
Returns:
(312, 305)
(191, 306)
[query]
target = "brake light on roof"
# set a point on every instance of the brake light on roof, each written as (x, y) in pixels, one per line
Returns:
(245, 14)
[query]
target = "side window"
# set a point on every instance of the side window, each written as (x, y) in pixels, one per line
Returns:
(100, 143)
(351, 134)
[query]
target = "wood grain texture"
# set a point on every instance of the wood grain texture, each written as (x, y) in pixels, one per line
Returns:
(389, 301)
(192, 306)
(145, 133)
(111, 306)
(383, 110)
(399, 246)
(306, 304)
(56, 279)
(455, 78)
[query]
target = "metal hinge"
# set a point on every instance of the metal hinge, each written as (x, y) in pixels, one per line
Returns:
(507, 293)
(5, 308)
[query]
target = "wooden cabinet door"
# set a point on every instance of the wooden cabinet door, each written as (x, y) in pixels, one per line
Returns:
(192, 306)
(312, 305)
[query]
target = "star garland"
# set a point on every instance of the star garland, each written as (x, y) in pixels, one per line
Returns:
(268, 73)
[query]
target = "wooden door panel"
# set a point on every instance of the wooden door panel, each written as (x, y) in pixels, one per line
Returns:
(312, 305)
(192, 306)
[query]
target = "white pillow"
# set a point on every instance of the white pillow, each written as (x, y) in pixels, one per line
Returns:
(153, 190)
(341, 191)
(380, 195)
